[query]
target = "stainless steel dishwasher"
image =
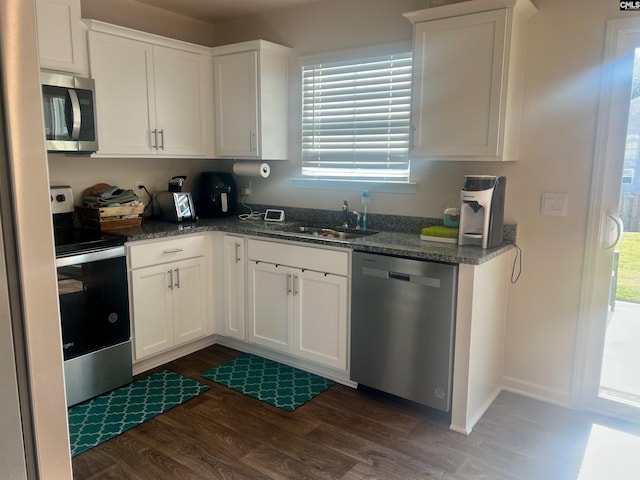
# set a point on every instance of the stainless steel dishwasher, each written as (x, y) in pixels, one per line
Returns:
(402, 327)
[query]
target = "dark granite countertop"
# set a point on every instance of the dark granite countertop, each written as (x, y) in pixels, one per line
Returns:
(397, 243)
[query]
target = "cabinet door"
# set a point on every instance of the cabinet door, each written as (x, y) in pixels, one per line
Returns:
(236, 104)
(181, 101)
(458, 81)
(189, 299)
(234, 287)
(270, 305)
(123, 72)
(321, 308)
(152, 310)
(59, 35)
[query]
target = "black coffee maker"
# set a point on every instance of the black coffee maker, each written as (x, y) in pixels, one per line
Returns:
(215, 195)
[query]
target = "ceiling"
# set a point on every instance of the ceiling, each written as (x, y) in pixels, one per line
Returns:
(214, 11)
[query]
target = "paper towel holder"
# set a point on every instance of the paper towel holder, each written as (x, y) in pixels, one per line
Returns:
(251, 169)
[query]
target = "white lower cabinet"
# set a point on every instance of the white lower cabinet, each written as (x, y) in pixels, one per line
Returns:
(298, 301)
(169, 293)
(321, 310)
(233, 287)
(271, 306)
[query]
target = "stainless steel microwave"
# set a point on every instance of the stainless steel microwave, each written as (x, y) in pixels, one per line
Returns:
(69, 113)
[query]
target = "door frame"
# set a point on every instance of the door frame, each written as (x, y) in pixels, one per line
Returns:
(611, 130)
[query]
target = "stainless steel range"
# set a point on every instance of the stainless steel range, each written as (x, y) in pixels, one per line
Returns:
(94, 304)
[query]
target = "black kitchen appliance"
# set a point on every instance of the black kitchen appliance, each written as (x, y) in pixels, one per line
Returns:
(94, 304)
(215, 195)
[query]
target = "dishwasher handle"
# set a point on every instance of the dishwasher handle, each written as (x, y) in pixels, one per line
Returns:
(399, 276)
(433, 282)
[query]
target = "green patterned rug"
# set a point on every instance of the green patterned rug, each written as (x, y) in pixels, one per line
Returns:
(108, 415)
(279, 385)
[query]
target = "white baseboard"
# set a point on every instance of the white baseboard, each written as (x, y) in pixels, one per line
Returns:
(171, 355)
(538, 392)
(335, 375)
(474, 417)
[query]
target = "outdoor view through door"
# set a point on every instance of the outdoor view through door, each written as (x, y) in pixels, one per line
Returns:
(620, 379)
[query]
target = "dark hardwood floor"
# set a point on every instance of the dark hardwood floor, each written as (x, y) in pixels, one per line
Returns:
(358, 434)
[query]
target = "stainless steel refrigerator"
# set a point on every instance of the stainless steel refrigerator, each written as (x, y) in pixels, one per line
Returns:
(33, 420)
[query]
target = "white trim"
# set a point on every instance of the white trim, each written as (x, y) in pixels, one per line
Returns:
(117, 30)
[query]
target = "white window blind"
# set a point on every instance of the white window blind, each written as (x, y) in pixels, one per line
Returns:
(356, 119)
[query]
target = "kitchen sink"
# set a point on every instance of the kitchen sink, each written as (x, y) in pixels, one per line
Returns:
(338, 233)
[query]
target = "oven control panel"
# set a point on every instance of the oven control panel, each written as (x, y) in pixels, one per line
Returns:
(61, 199)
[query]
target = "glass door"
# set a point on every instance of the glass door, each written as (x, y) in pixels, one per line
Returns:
(611, 290)
(620, 374)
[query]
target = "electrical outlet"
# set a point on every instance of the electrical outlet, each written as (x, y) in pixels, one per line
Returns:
(139, 191)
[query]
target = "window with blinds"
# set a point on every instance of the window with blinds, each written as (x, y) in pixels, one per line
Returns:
(356, 119)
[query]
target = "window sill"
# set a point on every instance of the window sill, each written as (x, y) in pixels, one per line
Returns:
(332, 184)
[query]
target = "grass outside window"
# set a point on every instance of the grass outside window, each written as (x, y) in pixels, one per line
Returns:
(628, 289)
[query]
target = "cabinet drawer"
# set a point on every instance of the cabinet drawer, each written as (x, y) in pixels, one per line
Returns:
(318, 259)
(145, 253)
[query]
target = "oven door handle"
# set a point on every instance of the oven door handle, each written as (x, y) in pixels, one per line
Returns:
(92, 256)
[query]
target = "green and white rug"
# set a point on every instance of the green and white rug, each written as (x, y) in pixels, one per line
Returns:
(279, 385)
(108, 415)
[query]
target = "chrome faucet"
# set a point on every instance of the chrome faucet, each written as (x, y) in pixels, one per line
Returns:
(347, 221)
(345, 212)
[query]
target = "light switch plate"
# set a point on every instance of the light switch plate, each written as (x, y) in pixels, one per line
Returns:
(554, 204)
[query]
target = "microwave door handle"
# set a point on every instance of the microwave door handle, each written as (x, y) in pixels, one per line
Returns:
(75, 112)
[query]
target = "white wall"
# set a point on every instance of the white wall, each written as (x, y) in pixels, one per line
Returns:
(562, 80)
(140, 16)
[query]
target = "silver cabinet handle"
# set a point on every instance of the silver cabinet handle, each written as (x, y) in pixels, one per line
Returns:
(296, 282)
(77, 117)
(162, 139)
(171, 250)
(289, 283)
(170, 272)
(252, 141)
(154, 139)
(177, 284)
(238, 252)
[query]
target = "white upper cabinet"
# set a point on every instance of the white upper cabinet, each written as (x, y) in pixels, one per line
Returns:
(467, 83)
(60, 37)
(250, 91)
(153, 94)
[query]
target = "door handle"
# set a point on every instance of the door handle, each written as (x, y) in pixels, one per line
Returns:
(237, 252)
(296, 282)
(162, 139)
(619, 230)
(289, 283)
(170, 272)
(177, 284)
